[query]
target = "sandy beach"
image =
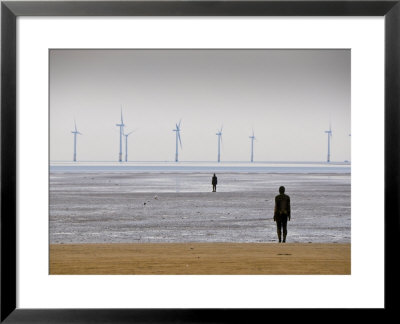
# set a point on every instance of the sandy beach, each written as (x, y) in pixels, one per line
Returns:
(201, 258)
(170, 223)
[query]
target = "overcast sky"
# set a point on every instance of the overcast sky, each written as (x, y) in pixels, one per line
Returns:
(288, 97)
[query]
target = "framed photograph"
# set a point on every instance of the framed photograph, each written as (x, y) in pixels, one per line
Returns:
(175, 160)
(122, 188)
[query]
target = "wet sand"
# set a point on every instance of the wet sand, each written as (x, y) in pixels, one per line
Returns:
(200, 258)
(128, 208)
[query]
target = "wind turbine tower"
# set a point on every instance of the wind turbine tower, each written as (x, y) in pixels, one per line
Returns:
(219, 134)
(329, 132)
(126, 145)
(75, 132)
(252, 146)
(121, 132)
(177, 138)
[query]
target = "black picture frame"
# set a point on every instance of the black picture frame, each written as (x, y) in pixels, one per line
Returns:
(10, 10)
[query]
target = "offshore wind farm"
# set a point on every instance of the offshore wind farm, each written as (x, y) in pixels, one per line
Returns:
(178, 142)
(288, 97)
(158, 124)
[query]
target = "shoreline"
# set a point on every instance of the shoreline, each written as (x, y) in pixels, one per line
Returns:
(200, 259)
(203, 167)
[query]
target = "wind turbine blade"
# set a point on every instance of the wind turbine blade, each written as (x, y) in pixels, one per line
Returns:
(122, 118)
(179, 137)
(75, 124)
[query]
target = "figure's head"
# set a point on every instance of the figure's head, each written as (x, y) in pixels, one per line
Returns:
(281, 189)
(214, 174)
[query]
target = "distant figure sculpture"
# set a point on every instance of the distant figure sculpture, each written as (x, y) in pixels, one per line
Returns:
(214, 182)
(282, 213)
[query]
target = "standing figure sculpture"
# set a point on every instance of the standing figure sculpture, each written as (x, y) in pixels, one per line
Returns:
(214, 182)
(282, 213)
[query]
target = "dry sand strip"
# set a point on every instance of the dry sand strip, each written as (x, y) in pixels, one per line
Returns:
(200, 258)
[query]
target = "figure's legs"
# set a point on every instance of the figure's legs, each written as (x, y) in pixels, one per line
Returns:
(284, 224)
(279, 227)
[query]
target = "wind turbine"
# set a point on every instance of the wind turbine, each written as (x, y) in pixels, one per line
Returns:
(329, 132)
(252, 146)
(350, 146)
(219, 134)
(75, 132)
(126, 145)
(121, 132)
(178, 137)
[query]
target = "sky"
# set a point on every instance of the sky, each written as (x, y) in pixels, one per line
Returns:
(289, 98)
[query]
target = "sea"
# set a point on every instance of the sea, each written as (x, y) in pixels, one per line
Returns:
(203, 167)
